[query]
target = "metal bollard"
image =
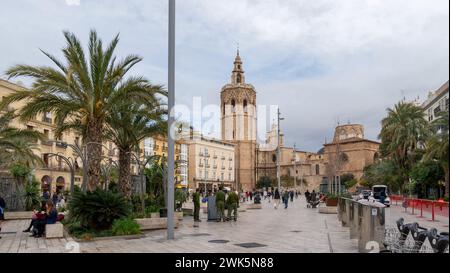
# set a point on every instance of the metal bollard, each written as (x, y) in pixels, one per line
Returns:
(372, 226)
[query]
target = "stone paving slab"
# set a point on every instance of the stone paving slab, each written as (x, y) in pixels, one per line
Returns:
(316, 233)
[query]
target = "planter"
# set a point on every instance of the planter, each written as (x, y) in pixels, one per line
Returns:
(179, 215)
(154, 215)
(154, 223)
(331, 202)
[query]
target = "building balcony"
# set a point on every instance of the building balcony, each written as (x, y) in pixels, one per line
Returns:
(230, 159)
(215, 166)
(200, 154)
(215, 156)
(230, 168)
(207, 165)
(223, 158)
(47, 143)
(200, 165)
(223, 167)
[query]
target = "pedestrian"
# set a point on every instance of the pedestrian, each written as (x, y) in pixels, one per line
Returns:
(291, 194)
(251, 195)
(46, 195)
(286, 199)
(196, 200)
(296, 194)
(2, 212)
(50, 218)
(276, 198)
(232, 205)
(307, 195)
(220, 205)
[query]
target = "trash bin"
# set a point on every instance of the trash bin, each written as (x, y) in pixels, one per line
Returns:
(212, 210)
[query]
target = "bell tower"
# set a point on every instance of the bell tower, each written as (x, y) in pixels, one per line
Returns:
(238, 124)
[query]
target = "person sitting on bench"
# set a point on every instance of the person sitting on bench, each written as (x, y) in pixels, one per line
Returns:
(51, 216)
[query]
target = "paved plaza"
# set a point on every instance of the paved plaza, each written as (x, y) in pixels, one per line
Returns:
(296, 229)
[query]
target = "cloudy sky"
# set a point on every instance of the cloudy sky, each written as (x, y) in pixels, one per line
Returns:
(321, 61)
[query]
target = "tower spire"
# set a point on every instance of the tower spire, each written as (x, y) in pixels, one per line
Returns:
(237, 76)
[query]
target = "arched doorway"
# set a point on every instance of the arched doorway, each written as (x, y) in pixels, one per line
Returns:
(60, 183)
(46, 183)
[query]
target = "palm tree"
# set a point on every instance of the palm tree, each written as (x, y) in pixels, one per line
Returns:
(81, 91)
(17, 145)
(129, 124)
(402, 135)
(437, 144)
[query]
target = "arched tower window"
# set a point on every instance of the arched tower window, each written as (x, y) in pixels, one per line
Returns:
(233, 106)
(245, 106)
(238, 78)
(223, 110)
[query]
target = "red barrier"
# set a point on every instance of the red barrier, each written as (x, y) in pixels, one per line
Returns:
(430, 206)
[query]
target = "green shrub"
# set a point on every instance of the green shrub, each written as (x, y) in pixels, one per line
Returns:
(151, 209)
(350, 183)
(31, 196)
(125, 226)
(97, 209)
(446, 199)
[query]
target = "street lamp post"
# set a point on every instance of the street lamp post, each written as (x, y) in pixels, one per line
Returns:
(71, 163)
(278, 150)
(171, 103)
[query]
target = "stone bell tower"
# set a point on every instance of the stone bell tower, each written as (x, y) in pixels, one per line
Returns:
(238, 124)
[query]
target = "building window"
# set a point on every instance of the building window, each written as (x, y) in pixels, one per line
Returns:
(317, 169)
(245, 106)
(274, 158)
(238, 79)
(233, 106)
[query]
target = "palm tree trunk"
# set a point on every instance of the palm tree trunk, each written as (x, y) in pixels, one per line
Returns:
(446, 180)
(124, 172)
(94, 153)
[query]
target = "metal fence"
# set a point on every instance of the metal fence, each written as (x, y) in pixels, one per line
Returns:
(11, 194)
(421, 206)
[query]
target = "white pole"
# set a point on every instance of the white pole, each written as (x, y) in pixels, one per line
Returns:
(278, 152)
(171, 142)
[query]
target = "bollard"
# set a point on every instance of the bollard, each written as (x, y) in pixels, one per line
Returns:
(356, 222)
(372, 226)
(345, 215)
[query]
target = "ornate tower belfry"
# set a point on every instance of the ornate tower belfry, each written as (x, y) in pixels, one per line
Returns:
(238, 124)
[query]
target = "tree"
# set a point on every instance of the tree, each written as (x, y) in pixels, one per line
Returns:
(426, 175)
(382, 173)
(437, 145)
(81, 92)
(264, 182)
(17, 145)
(127, 126)
(403, 132)
(156, 176)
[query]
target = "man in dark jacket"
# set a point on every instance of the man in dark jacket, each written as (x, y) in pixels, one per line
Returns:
(196, 199)
(2, 212)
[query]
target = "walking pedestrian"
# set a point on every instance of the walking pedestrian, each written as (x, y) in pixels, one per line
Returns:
(286, 199)
(196, 200)
(232, 204)
(291, 194)
(276, 198)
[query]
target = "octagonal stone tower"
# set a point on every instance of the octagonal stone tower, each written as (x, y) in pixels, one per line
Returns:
(238, 124)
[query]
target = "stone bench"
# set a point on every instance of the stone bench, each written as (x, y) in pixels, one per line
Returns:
(55, 230)
(18, 215)
(254, 206)
(155, 223)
